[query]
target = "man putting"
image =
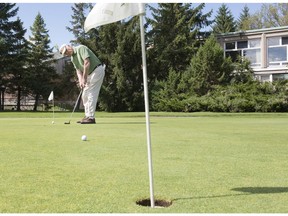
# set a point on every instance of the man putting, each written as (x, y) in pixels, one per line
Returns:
(90, 73)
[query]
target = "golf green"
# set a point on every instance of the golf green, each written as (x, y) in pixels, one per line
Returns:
(202, 163)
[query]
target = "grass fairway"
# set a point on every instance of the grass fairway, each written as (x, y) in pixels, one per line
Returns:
(202, 162)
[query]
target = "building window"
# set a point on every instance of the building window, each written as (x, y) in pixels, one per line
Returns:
(242, 44)
(254, 56)
(274, 41)
(277, 51)
(234, 55)
(284, 40)
(254, 43)
(277, 77)
(230, 46)
(249, 49)
(276, 54)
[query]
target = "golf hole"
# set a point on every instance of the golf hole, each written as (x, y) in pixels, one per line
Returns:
(158, 203)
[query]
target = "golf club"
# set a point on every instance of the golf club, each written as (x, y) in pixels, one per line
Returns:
(74, 108)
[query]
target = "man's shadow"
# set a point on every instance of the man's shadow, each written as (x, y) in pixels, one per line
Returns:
(245, 191)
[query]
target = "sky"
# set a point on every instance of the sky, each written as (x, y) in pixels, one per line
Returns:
(57, 16)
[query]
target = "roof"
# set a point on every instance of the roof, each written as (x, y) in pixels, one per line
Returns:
(254, 31)
(57, 55)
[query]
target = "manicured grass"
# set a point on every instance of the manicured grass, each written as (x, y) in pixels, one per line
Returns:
(202, 162)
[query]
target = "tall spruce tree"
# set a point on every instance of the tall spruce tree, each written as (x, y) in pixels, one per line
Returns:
(127, 67)
(174, 35)
(244, 21)
(106, 47)
(18, 70)
(13, 52)
(224, 20)
(41, 71)
(207, 68)
(78, 19)
(7, 11)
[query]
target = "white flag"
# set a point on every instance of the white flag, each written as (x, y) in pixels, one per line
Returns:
(105, 13)
(51, 96)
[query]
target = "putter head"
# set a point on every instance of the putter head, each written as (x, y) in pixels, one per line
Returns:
(67, 122)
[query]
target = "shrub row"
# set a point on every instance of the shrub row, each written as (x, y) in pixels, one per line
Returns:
(253, 97)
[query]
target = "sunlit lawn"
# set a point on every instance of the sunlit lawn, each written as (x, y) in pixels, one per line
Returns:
(202, 162)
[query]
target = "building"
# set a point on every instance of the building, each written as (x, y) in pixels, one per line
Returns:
(8, 101)
(60, 62)
(267, 50)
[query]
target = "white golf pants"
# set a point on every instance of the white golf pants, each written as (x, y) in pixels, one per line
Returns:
(91, 91)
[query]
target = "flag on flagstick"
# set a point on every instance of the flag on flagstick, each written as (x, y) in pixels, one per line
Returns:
(105, 13)
(51, 96)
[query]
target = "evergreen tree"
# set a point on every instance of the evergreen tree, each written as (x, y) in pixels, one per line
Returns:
(244, 22)
(224, 21)
(174, 34)
(127, 68)
(17, 75)
(78, 19)
(13, 51)
(7, 11)
(106, 47)
(41, 71)
(207, 68)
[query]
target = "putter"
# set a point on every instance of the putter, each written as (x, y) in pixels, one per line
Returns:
(74, 108)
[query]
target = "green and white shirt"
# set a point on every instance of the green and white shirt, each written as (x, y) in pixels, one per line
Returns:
(82, 52)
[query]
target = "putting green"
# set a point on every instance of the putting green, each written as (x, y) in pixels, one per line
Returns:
(202, 163)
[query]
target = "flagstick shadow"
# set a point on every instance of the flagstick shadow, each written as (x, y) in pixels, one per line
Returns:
(210, 197)
(125, 123)
(246, 191)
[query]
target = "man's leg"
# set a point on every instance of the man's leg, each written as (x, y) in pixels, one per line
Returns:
(91, 92)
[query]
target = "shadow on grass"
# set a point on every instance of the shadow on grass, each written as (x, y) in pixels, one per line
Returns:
(245, 192)
(262, 190)
(125, 123)
(209, 197)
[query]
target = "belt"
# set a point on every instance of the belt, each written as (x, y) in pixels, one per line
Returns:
(95, 67)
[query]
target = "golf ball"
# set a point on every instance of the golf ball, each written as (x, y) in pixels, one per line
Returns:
(52, 122)
(84, 137)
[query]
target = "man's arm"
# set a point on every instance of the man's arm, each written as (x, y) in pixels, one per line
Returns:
(86, 67)
(82, 76)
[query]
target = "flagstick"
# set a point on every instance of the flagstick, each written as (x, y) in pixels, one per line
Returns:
(53, 110)
(147, 110)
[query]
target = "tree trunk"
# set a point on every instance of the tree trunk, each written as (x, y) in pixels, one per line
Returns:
(2, 90)
(36, 102)
(19, 99)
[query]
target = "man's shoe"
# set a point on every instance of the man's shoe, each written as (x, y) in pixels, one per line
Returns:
(88, 121)
(80, 121)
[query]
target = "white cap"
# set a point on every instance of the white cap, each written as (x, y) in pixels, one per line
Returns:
(62, 49)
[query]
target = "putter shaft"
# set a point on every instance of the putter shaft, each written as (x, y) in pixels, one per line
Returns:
(74, 107)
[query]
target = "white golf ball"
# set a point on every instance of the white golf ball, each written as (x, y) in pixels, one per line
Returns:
(52, 122)
(84, 138)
